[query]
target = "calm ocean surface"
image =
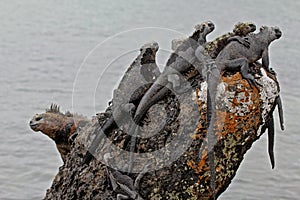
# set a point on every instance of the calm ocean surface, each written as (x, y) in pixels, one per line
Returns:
(43, 44)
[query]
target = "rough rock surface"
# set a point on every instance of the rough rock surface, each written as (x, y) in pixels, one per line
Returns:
(241, 114)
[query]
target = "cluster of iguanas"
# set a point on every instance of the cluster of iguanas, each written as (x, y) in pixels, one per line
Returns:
(232, 51)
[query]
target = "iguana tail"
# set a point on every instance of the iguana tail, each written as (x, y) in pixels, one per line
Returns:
(89, 156)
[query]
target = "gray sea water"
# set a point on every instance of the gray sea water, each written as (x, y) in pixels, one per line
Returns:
(46, 56)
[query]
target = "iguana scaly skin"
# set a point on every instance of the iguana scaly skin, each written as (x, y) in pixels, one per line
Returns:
(137, 80)
(213, 48)
(58, 126)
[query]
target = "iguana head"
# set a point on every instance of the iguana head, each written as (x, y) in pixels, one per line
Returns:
(202, 30)
(271, 33)
(205, 27)
(244, 28)
(149, 69)
(148, 52)
(55, 124)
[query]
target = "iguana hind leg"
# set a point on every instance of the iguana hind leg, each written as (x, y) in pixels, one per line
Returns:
(89, 156)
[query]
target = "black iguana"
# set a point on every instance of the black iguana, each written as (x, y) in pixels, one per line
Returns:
(137, 79)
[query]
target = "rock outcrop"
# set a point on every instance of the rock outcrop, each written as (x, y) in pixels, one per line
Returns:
(174, 151)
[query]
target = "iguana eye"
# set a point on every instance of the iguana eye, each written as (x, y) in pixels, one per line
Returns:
(262, 28)
(38, 118)
(210, 24)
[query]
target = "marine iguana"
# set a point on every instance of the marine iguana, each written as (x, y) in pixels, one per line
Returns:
(213, 48)
(58, 126)
(236, 56)
(137, 80)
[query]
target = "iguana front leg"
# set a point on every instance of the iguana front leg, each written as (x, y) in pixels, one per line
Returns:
(265, 59)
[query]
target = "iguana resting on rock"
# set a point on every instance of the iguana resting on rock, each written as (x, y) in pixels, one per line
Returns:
(58, 126)
(137, 80)
(236, 57)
